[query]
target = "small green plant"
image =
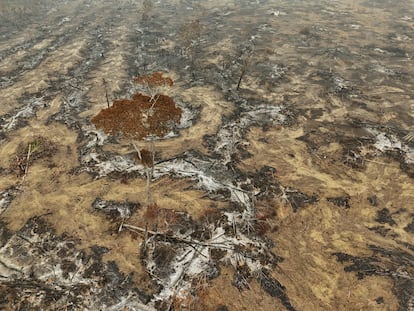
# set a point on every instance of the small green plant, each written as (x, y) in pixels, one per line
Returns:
(32, 148)
(28, 152)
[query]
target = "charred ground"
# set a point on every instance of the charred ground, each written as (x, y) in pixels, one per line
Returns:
(286, 184)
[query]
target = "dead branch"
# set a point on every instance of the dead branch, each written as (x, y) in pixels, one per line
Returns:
(243, 71)
(106, 91)
(137, 150)
(176, 238)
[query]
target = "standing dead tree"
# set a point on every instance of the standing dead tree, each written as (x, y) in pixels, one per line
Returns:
(143, 117)
(106, 91)
(154, 84)
(243, 72)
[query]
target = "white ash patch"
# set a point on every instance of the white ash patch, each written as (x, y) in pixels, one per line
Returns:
(379, 50)
(278, 72)
(206, 177)
(277, 13)
(99, 162)
(188, 114)
(123, 209)
(6, 82)
(383, 70)
(6, 197)
(188, 264)
(409, 157)
(190, 259)
(96, 137)
(230, 136)
(27, 111)
(53, 271)
(340, 84)
(5, 200)
(64, 20)
(264, 114)
(389, 142)
(228, 139)
(386, 142)
(116, 163)
(186, 169)
(355, 26)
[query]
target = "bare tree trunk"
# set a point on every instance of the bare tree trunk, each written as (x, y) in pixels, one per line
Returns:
(152, 149)
(243, 71)
(148, 171)
(240, 79)
(106, 92)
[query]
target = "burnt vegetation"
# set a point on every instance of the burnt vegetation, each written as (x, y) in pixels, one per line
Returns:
(56, 271)
(304, 84)
(396, 264)
(30, 152)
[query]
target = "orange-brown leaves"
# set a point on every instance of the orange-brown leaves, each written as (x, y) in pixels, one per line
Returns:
(155, 79)
(139, 117)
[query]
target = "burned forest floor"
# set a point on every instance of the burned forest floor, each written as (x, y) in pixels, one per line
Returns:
(287, 184)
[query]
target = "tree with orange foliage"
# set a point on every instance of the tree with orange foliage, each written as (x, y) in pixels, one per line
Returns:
(154, 83)
(142, 117)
